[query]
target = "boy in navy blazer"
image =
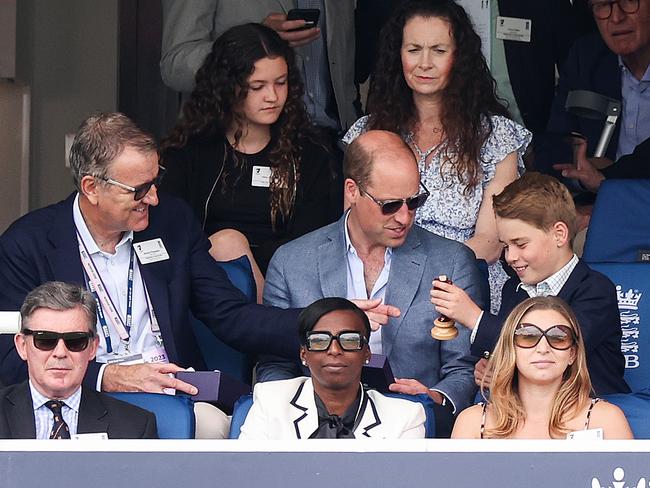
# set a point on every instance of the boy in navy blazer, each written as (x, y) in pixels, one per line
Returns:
(536, 222)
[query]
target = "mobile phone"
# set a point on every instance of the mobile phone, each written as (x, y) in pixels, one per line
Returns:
(309, 15)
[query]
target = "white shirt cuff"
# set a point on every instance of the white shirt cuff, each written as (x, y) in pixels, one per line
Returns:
(100, 377)
(475, 329)
(445, 399)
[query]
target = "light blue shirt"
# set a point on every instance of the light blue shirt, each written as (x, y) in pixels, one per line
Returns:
(45, 418)
(635, 120)
(356, 284)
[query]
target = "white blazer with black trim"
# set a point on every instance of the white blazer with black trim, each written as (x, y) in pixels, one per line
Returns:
(286, 409)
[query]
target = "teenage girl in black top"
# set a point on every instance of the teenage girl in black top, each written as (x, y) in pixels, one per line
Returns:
(244, 154)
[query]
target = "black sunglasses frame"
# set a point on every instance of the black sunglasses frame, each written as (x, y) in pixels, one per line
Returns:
(362, 340)
(140, 191)
(386, 206)
(46, 340)
(544, 333)
(610, 4)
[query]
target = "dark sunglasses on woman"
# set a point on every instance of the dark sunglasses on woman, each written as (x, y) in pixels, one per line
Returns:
(560, 337)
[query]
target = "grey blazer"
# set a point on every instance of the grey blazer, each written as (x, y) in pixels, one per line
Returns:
(190, 28)
(314, 266)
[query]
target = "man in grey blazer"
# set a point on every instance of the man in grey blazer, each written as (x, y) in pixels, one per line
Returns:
(190, 28)
(376, 251)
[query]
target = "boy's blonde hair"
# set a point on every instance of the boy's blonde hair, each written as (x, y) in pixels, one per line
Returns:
(539, 200)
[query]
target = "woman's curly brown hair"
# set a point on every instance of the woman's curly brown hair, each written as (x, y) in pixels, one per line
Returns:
(221, 87)
(468, 100)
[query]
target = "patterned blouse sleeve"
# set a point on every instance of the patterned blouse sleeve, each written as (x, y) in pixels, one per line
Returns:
(358, 128)
(507, 136)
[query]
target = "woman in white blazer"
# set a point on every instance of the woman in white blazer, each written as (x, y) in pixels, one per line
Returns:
(332, 403)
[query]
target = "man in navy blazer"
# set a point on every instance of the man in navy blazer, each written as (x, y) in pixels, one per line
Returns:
(591, 65)
(608, 63)
(115, 166)
(375, 250)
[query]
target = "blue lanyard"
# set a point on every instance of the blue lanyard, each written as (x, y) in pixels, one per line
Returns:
(129, 307)
(101, 317)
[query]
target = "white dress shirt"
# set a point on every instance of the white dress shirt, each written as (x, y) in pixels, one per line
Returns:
(356, 284)
(113, 269)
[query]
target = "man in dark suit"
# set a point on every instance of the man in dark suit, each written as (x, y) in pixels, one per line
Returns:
(57, 339)
(531, 63)
(615, 64)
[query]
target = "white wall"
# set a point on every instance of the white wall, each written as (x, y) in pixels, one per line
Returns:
(67, 51)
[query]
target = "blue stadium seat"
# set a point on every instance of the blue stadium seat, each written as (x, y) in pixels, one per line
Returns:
(427, 403)
(618, 229)
(632, 282)
(243, 405)
(216, 354)
(174, 413)
(636, 407)
(239, 413)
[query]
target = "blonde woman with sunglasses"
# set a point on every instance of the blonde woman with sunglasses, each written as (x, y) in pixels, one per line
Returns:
(540, 388)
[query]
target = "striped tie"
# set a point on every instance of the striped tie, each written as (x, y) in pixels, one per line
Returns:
(60, 429)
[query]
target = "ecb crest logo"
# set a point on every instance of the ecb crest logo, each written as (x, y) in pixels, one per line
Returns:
(628, 306)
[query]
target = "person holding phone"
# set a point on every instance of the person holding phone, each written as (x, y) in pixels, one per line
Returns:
(323, 50)
(540, 387)
(244, 154)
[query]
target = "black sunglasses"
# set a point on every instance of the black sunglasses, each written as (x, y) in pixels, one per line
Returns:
(140, 191)
(348, 340)
(46, 340)
(560, 337)
(389, 207)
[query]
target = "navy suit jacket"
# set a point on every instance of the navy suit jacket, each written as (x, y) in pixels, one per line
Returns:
(97, 413)
(631, 166)
(589, 66)
(314, 266)
(531, 65)
(42, 246)
(592, 296)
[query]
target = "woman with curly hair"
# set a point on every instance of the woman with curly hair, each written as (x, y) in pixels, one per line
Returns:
(540, 386)
(431, 84)
(244, 153)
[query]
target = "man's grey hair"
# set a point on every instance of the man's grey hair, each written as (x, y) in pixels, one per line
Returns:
(100, 139)
(58, 295)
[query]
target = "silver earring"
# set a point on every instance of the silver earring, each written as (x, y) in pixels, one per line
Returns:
(304, 363)
(367, 361)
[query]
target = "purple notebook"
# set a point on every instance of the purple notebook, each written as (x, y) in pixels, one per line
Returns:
(215, 387)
